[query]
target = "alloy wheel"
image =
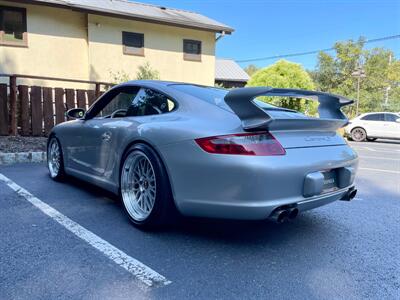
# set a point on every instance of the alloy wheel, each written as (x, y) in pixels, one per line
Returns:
(54, 158)
(358, 134)
(138, 186)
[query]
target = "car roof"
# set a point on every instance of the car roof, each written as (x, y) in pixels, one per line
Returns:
(379, 112)
(158, 84)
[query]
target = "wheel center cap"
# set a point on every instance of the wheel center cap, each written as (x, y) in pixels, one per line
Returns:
(145, 184)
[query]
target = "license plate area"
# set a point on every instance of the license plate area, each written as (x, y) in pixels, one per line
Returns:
(330, 181)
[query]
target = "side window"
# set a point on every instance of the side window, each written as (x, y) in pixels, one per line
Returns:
(121, 102)
(391, 117)
(13, 29)
(192, 50)
(373, 117)
(150, 102)
(133, 43)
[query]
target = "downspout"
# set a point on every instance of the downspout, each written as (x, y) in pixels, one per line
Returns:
(221, 35)
(89, 69)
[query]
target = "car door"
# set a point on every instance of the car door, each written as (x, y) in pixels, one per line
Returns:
(392, 126)
(98, 133)
(374, 124)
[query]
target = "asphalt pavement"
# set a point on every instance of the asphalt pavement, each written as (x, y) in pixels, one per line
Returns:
(58, 240)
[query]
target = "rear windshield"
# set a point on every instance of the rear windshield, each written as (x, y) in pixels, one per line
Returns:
(209, 94)
(216, 96)
(213, 95)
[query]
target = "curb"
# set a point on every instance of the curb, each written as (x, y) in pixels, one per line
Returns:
(22, 157)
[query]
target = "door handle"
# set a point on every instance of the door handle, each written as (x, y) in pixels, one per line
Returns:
(106, 136)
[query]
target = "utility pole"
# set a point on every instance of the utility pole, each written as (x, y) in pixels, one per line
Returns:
(359, 73)
(387, 89)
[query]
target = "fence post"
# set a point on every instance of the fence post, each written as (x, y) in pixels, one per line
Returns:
(97, 90)
(13, 105)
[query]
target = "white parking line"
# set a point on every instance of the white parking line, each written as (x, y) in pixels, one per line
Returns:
(376, 150)
(377, 157)
(139, 270)
(380, 170)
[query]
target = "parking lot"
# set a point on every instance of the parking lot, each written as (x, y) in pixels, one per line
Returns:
(72, 240)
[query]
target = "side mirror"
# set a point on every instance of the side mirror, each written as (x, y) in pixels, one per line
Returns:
(76, 113)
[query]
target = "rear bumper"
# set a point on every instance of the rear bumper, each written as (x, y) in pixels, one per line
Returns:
(255, 210)
(249, 187)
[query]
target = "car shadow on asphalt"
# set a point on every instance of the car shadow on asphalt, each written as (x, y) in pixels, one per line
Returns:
(219, 230)
(393, 142)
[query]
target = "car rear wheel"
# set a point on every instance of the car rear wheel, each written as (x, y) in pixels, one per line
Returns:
(358, 134)
(145, 188)
(55, 159)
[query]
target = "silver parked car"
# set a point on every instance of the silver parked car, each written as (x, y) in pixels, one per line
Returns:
(207, 152)
(372, 126)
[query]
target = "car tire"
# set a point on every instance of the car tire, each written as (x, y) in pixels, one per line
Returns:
(145, 189)
(55, 161)
(358, 134)
(371, 139)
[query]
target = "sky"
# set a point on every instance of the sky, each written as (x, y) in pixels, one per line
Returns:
(271, 27)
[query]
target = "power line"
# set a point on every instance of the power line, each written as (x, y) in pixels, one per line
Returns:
(391, 37)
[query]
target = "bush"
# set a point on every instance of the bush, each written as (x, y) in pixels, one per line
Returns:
(285, 74)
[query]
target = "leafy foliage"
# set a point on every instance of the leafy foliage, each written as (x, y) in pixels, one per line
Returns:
(251, 69)
(144, 72)
(285, 74)
(336, 74)
(119, 77)
(147, 72)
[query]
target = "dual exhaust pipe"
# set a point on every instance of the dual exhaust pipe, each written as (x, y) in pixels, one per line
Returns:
(281, 215)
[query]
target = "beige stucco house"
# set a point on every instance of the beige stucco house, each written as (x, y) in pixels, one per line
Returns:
(89, 40)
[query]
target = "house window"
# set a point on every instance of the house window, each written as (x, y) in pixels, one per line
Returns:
(13, 26)
(133, 43)
(192, 50)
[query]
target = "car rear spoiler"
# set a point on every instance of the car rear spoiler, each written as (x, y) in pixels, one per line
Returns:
(255, 118)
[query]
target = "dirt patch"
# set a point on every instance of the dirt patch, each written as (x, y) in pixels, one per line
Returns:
(13, 144)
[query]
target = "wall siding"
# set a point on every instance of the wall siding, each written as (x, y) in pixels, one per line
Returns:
(69, 44)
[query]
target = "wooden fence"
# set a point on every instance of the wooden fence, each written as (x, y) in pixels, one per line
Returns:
(34, 110)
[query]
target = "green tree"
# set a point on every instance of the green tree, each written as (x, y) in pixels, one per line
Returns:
(285, 74)
(120, 77)
(251, 69)
(335, 74)
(147, 72)
(144, 72)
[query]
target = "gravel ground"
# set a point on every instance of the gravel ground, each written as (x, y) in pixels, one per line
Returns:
(12, 144)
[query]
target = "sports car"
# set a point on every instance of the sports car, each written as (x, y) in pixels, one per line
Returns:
(169, 148)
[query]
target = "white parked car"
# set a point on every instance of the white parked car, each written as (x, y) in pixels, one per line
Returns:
(372, 126)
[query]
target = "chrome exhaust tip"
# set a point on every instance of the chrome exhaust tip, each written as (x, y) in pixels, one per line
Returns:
(279, 216)
(351, 193)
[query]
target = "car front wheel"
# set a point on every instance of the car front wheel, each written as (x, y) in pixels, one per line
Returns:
(145, 188)
(55, 162)
(358, 134)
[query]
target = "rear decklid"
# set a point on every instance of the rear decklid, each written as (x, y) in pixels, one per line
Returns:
(292, 129)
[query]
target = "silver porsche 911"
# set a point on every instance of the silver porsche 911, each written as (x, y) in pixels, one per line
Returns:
(168, 147)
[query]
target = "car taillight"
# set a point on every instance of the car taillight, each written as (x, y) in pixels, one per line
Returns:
(260, 143)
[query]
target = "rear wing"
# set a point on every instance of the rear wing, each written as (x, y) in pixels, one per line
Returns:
(255, 118)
